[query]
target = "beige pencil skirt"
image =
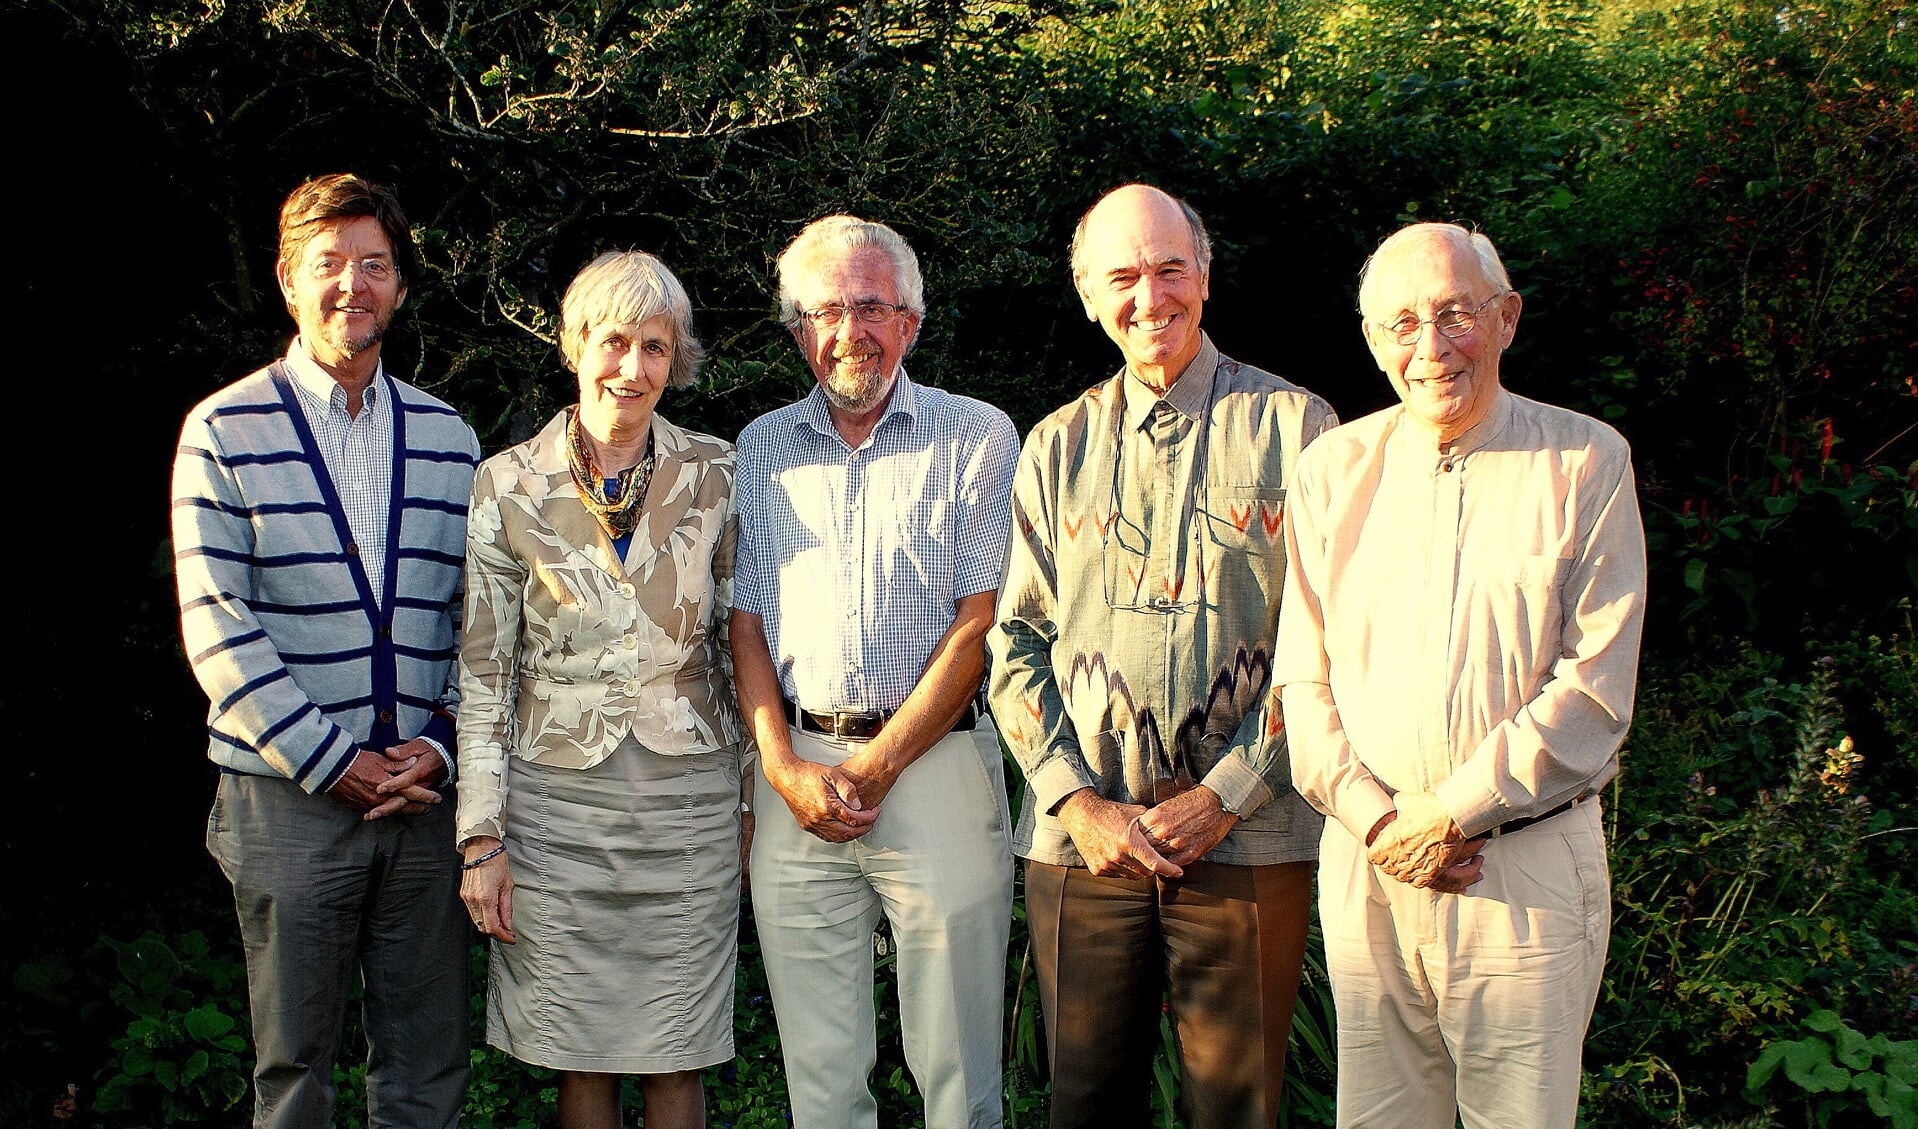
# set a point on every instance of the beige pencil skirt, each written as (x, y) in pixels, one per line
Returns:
(626, 904)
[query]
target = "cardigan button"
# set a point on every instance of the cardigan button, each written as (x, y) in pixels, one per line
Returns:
(352, 549)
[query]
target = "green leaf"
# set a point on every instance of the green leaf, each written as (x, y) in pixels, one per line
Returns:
(1760, 1072)
(207, 1022)
(196, 1065)
(1808, 1064)
(1853, 1049)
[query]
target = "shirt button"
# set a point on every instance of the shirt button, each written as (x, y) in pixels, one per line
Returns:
(627, 590)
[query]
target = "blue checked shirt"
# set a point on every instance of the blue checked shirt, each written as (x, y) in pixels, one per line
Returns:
(854, 559)
(358, 453)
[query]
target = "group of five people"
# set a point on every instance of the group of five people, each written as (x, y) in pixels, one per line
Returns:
(662, 668)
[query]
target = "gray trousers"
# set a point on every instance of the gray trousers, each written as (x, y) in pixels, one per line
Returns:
(323, 896)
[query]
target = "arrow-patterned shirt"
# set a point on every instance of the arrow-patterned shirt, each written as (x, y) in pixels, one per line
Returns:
(1135, 625)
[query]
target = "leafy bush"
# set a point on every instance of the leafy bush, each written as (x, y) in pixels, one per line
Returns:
(1754, 878)
(1833, 1064)
(184, 1058)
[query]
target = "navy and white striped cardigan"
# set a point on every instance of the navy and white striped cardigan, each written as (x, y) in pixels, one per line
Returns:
(301, 664)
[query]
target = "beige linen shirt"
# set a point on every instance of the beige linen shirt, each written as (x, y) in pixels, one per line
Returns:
(567, 648)
(1135, 623)
(1463, 621)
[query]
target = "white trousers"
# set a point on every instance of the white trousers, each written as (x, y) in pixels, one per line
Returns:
(938, 866)
(1467, 1006)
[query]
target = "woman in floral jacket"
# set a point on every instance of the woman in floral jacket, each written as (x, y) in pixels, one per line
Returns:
(601, 815)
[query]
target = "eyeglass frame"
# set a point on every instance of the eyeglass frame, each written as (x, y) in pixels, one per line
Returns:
(865, 313)
(1194, 511)
(1411, 335)
(371, 267)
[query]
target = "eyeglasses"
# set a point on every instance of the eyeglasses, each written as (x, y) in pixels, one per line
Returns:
(1127, 549)
(871, 313)
(326, 268)
(1449, 323)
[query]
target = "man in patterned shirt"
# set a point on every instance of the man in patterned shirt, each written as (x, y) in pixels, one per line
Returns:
(872, 533)
(1167, 853)
(319, 534)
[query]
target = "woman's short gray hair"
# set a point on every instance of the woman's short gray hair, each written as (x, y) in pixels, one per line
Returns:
(843, 234)
(626, 288)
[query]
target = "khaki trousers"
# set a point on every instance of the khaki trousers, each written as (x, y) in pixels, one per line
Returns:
(1222, 948)
(1467, 1007)
(937, 866)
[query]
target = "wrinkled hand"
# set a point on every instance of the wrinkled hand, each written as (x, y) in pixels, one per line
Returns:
(1111, 839)
(823, 799)
(1423, 847)
(1188, 825)
(359, 787)
(410, 791)
(872, 773)
(487, 890)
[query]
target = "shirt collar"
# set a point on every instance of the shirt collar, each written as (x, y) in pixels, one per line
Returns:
(904, 402)
(1188, 395)
(320, 385)
(1485, 430)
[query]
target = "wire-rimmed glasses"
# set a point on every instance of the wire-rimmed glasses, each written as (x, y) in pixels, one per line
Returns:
(326, 268)
(1451, 324)
(870, 313)
(1125, 546)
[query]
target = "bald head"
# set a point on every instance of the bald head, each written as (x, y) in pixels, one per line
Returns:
(1430, 235)
(1136, 196)
(1141, 263)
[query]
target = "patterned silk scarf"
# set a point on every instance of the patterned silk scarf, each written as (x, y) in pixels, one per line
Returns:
(617, 509)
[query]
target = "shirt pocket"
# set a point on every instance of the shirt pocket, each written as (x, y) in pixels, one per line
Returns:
(1525, 602)
(1246, 519)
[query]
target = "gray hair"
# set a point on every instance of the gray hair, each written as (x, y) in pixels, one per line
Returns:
(1201, 241)
(626, 288)
(844, 234)
(1489, 264)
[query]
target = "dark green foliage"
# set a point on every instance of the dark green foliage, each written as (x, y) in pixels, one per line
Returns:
(1834, 1064)
(1711, 210)
(1757, 851)
(184, 1058)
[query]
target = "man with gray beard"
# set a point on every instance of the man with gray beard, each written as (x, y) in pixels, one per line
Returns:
(873, 517)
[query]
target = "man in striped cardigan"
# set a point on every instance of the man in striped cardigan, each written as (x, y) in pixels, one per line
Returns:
(319, 512)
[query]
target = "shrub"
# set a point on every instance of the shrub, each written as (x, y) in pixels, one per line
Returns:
(1754, 879)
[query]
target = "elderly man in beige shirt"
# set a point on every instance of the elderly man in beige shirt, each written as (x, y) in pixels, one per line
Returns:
(1457, 652)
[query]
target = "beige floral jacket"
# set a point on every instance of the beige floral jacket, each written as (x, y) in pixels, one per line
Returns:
(566, 649)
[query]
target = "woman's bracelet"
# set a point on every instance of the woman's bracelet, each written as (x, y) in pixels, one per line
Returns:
(475, 862)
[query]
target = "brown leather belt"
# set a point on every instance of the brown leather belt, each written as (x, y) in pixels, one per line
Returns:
(1512, 825)
(863, 725)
